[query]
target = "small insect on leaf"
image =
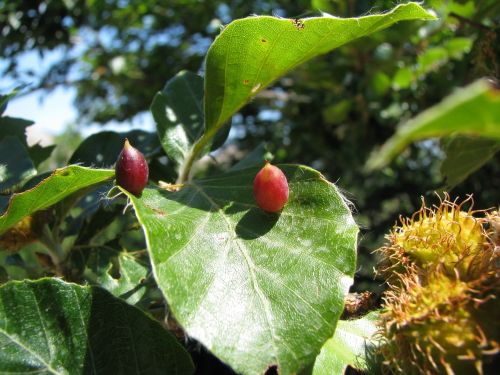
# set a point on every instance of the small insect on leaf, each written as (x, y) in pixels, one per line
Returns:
(131, 169)
(270, 188)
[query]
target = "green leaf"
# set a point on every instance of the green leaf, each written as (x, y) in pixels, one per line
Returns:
(51, 327)
(102, 149)
(178, 113)
(352, 344)
(15, 127)
(256, 288)
(4, 276)
(456, 47)
(337, 113)
(4, 202)
(380, 83)
(473, 110)
(403, 78)
(329, 6)
(59, 185)
(124, 281)
(93, 195)
(97, 218)
(431, 59)
(4, 99)
(39, 153)
(220, 136)
(467, 10)
(465, 155)
(15, 164)
(256, 158)
(252, 52)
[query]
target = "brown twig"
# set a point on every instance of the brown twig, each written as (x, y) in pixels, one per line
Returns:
(470, 22)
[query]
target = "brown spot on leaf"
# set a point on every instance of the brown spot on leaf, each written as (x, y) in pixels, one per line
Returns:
(263, 41)
(246, 81)
(299, 24)
(157, 210)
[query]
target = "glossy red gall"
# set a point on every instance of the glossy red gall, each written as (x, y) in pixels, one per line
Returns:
(131, 169)
(270, 188)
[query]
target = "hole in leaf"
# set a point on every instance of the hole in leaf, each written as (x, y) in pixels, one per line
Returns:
(114, 270)
(256, 87)
(272, 370)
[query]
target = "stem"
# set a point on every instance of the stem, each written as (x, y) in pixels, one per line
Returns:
(52, 245)
(185, 172)
(470, 22)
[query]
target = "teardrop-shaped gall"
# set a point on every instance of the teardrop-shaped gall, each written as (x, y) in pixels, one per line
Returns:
(131, 169)
(270, 188)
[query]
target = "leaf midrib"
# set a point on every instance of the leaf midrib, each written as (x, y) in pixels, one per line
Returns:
(251, 267)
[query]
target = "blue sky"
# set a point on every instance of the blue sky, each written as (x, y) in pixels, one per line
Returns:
(53, 111)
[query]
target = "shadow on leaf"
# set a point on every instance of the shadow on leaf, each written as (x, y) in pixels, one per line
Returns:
(256, 223)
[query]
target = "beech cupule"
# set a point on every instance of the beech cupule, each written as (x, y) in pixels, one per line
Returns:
(270, 188)
(131, 169)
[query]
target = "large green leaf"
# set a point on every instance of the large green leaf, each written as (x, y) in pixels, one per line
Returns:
(52, 327)
(15, 164)
(464, 155)
(178, 113)
(473, 110)
(353, 344)
(256, 288)
(51, 190)
(252, 52)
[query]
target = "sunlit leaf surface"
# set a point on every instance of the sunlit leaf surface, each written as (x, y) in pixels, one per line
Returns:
(51, 190)
(70, 329)
(473, 111)
(353, 344)
(257, 289)
(252, 52)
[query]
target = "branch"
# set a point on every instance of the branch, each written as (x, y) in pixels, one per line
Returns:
(470, 22)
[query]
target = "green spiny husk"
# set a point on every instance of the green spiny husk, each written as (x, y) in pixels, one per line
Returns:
(446, 236)
(442, 309)
(441, 325)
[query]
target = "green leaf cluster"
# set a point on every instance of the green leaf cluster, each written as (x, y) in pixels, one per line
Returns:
(257, 289)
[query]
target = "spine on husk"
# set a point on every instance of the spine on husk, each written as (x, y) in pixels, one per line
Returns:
(442, 307)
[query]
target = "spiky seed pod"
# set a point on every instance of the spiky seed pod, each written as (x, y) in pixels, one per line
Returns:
(493, 220)
(443, 326)
(442, 310)
(445, 235)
